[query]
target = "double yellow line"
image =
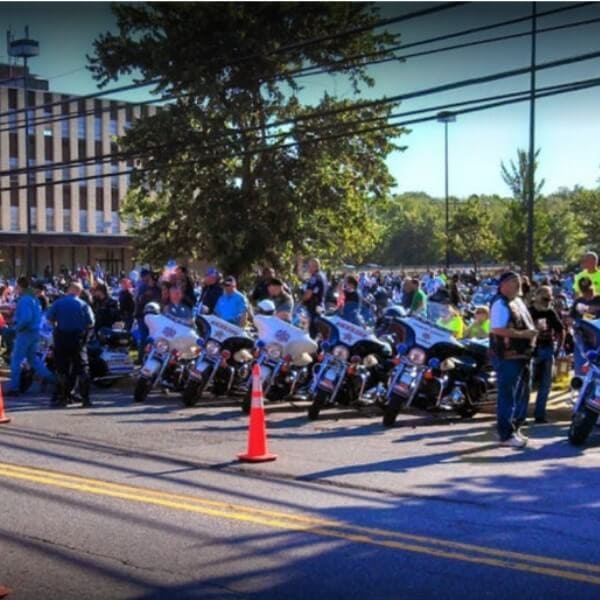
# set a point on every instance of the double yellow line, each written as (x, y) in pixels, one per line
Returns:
(394, 540)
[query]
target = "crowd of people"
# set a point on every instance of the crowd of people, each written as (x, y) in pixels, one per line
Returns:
(527, 322)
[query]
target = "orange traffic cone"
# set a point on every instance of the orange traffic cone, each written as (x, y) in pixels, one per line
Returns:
(3, 417)
(257, 433)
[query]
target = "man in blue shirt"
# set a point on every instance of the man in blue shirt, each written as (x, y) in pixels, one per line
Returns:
(314, 294)
(232, 306)
(28, 315)
(73, 322)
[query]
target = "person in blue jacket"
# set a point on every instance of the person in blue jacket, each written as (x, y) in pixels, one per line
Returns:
(28, 315)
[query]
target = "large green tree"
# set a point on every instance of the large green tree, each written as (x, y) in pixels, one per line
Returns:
(221, 179)
(472, 232)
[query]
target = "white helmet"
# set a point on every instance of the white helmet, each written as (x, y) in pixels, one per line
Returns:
(152, 308)
(265, 307)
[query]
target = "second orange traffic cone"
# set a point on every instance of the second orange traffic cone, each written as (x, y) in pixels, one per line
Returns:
(257, 433)
(3, 417)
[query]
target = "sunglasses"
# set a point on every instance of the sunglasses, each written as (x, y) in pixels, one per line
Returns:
(228, 285)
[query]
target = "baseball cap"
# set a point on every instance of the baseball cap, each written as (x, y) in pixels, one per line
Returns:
(506, 276)
(212, 272)
(144, 272)
(275, 281)
(230, 280)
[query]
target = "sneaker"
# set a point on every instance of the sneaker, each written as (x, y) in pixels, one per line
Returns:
(514, 441)
(523, 436)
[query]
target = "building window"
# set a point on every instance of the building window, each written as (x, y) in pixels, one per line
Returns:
(67, 220)
(100, 222)
(14, 218)
(81, 128)
(31, 117)
(34, 218)
(83, 220)
(12, 121)
(98, 128)
(116, 222)
(49, 219)
(112, 127)
(48, 131)
(13, 165)
(49, 172)
(64, 127)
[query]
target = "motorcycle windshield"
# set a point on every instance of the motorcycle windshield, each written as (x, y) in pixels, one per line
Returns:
(447, 317)
(358, 313)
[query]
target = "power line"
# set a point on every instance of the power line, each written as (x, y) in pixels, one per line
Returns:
(523, 98)
(362, 106)
(441, 38)
(319, 71)
(316, 70)
(116, 156)
(280, 50)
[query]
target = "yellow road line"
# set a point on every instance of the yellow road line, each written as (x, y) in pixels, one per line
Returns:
(332, 529)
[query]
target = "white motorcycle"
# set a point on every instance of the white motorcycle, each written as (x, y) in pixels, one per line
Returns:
(587, 405)
(170, 345)
(284, 354)
(224, 361)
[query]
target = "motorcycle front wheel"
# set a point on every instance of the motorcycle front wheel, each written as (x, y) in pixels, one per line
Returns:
(142, 389)
(192, 391)
(582, 423)
(318, 402)
(390, 412)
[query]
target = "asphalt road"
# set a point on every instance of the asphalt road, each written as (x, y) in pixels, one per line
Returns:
(129, 501)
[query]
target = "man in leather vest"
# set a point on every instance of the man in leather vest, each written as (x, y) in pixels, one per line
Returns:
(512, 335)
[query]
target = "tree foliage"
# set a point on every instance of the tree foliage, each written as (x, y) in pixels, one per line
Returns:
(218, 181)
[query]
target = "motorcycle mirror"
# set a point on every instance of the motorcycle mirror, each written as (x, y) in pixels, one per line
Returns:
(401, 349)
(260, 344)
(576, 383)
(434, 363)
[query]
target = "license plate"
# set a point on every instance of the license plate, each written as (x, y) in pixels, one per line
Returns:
(401, 388)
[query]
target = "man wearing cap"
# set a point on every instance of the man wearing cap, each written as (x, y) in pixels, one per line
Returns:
(314, 293)
(512, 335)
(232, 306)
(589, 266)
(284, 303)
(147, 291)
(211, 291)
(261, 291)
(73, 322)
(177, 308)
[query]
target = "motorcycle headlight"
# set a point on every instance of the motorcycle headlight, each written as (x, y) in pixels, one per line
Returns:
(162, 345)
(274, 351)
(417, 356)
(370, 361)
(341, 353)
(213, 348)
(448, 364)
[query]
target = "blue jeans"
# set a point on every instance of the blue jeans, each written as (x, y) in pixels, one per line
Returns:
(542, 365)
(26, 347)
(144, 333)
(578, 355)
(513, 394)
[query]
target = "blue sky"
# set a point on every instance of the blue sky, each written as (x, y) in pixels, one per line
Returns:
(568, 126)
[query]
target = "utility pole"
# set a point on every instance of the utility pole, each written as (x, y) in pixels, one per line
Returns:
(26, 48)
(446, 117)
(531, 170)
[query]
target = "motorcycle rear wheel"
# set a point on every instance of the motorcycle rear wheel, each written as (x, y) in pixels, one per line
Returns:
(582, 423)
(318, 402)
(142, 389)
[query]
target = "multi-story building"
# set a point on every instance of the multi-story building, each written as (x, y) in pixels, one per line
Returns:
(76, 223)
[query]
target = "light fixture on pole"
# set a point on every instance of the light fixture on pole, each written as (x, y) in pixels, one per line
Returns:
(446, 117)
(26, 48)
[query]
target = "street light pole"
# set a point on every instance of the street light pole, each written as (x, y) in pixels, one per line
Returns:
(531, 170)
(25, 48)
(446, 117)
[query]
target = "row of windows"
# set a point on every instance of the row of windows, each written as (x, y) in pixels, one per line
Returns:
(106, 227)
